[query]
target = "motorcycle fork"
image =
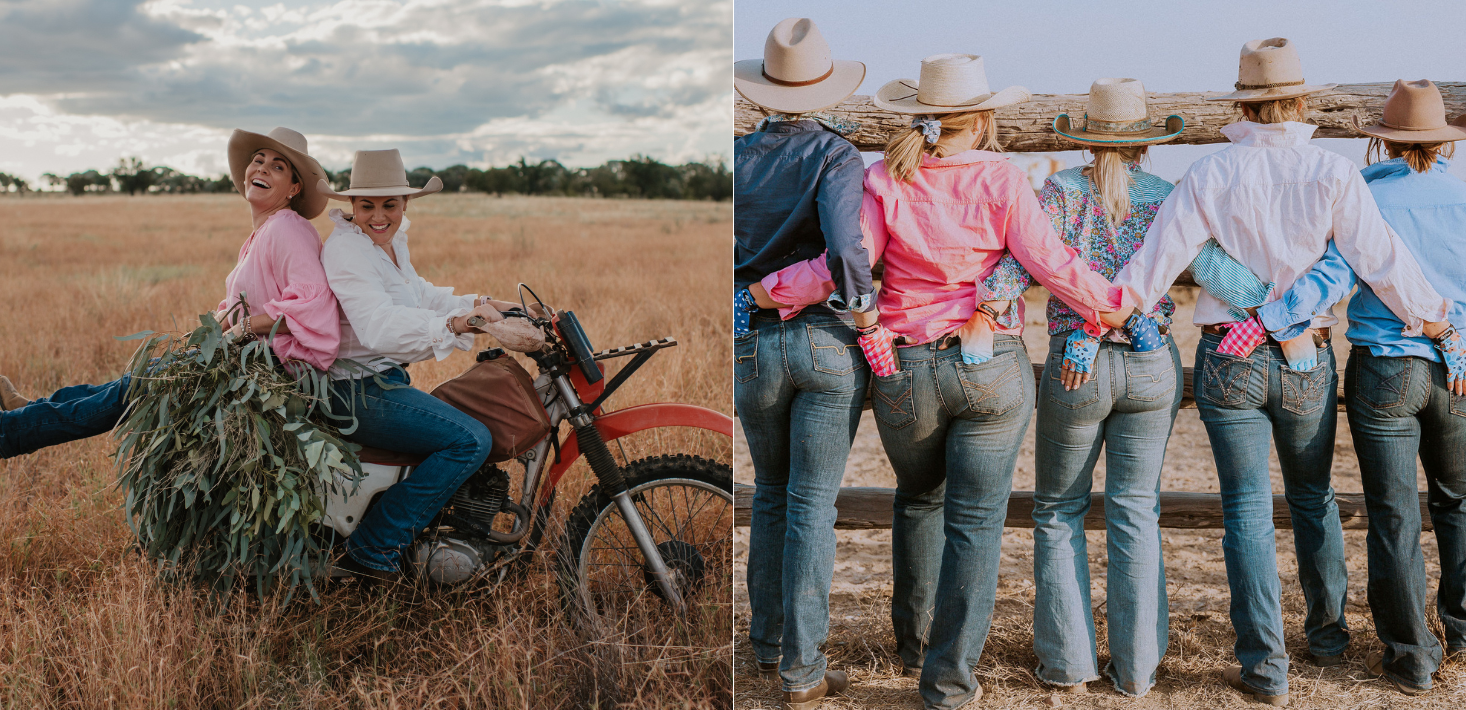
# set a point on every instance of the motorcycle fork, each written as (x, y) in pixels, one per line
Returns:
(613, 481)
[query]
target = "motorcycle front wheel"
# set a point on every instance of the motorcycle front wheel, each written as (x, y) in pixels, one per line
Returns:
(686, 503)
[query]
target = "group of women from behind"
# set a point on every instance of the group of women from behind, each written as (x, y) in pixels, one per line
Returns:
(356, 299)
(1274, 230)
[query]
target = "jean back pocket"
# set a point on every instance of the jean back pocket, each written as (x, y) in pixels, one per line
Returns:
(892, 400)
(832, 348)
(1382, 382)
(1225, 379)
(745, 357)
(1150, 376)
(1305, 392)
(994, 387)
(1079, 398)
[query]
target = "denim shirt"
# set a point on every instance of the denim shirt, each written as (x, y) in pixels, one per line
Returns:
(797, 192)
(1428, 211)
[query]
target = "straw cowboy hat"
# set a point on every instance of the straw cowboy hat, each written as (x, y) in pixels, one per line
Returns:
(242, 148)
(379, 173)
(797, 74)
(950, 83)
(1415, 113)
(1268, 70)
(1116, 114)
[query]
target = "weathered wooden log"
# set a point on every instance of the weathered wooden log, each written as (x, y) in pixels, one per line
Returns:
(1027, 127)
(867, 508)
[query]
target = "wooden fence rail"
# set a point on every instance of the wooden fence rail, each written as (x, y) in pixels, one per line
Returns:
(864, 508)
(1026, 127)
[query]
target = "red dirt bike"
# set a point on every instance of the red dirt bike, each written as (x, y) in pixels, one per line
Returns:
(654, 528)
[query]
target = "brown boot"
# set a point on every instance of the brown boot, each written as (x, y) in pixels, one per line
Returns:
(9, 398)
(768, 670)
(1233, 676)
(1374, 664)
(834, 683)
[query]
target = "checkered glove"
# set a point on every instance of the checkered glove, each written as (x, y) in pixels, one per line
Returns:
(743, 308)
(1080, 350)
(1226, 278)
(1453, 351)
(1145, 335)
(1243, 338)
(879, 345)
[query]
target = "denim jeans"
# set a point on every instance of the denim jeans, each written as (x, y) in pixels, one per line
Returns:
(1127, 408)
(952, 432)
(1242, 401)
(800, 386)
(414, 422)
(71, 413)
(1399, 407)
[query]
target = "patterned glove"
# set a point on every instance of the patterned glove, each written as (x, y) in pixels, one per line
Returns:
(1080, 350)
(1145, 335)
(743, 308)
(977, 337)
(1453, 350)
(878, 344)
(1243, 338)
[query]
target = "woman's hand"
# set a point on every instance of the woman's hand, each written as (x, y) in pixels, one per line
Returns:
(879, 346)
(1453, 350)
(488, 311)
(1079, 353)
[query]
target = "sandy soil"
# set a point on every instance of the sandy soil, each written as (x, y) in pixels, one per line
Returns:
(1201, 635)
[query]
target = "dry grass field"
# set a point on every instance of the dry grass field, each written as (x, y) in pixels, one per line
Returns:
(84, 623)
(1201, 634)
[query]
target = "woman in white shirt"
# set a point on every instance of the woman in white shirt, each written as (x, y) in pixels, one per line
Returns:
(392, 316)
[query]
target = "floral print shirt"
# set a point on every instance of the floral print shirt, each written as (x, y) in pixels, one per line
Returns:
(1078, 214)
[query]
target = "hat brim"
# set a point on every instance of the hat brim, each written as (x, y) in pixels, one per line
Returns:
(242, 147)
(749, 80)
(434, 185)
(899, 96)
(1167, 131)
(1273, 94)
(1453, 131)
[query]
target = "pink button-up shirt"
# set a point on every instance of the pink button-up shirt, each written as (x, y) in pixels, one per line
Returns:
(280, 273)
(941, 234)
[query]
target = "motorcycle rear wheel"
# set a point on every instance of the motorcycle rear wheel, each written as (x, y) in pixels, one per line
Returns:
(687, 504)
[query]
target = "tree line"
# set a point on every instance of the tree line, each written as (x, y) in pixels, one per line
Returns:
(640, 176)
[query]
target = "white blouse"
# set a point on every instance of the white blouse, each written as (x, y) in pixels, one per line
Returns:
(389, 314)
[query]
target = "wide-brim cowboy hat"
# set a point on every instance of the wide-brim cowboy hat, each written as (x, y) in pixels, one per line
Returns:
(1416, 113)
(796, 74)
(379, 173)
(1268, 70)
(1166, 131)
(949, 83)
(1453, 131)
(243, 145)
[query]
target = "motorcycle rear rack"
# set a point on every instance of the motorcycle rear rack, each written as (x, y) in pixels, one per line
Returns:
(625, 350)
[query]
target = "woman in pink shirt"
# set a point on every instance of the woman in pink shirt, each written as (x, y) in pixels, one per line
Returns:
(279, 276)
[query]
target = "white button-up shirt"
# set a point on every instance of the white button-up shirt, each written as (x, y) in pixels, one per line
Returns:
(388, 311)
(1273, 202)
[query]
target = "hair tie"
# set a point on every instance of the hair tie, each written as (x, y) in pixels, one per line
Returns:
(929, 127)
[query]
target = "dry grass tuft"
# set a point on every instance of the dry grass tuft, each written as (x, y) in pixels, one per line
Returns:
(85, 624)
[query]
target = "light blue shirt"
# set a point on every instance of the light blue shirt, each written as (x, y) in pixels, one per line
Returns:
(1328, 282)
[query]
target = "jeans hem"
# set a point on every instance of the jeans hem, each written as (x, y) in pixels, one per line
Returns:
(1121, 690)
(795, 689)
(351, 551)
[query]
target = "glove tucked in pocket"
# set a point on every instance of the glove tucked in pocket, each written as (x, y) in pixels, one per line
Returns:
(879, 346)
(1243, 338)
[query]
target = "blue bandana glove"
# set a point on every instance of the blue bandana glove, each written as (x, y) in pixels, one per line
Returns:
(1145, 335)
(1226, 278)
(743, 308)
(1453, 351)
(1080, 350)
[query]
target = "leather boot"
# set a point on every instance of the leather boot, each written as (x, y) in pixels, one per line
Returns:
(10, 398)
(1233, 676)
(1374, 665)
(768, 670)
(834, 683)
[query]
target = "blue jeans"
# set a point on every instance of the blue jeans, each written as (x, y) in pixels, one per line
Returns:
(1127, 408)
(952, 432)
(414, 422)
(1243, 401)
(71, 413)
(1399, 407)
(800, 386)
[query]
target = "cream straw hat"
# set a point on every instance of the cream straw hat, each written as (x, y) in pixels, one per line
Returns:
(1116, 114)
(796, 74)
(949, 83)
(242, 148)
(1268, 70)
(1415, 113)
(379, 173)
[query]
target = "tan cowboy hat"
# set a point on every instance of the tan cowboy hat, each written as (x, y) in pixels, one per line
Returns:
(379, 173)
(1415, 113)
(797, 74)
(242, 148)
(1116, 114)
(950, 83)
(1268, 70)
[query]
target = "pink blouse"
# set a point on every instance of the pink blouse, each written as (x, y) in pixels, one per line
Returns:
(941, 234)
(280, 273)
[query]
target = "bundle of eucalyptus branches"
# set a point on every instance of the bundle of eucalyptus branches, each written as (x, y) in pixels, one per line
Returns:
(227, 456)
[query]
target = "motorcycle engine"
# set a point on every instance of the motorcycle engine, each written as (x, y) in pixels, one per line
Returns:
(454, 557)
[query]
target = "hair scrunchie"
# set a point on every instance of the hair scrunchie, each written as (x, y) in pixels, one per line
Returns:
(929, 127)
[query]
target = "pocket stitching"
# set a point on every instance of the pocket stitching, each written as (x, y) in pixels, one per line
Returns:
(751, 337)
(1161, 378)
(1305, 383)
(1057, 361)
(895, 404)
(1379, 381)
(1002, 378)
(1211, 377)
(814, 351)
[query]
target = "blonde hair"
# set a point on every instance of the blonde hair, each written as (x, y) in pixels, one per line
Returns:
(906, 146)
(1111, 180)
(1277, 110)
(1419, 156)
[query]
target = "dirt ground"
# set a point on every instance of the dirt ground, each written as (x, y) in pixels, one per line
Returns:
(1201, 639)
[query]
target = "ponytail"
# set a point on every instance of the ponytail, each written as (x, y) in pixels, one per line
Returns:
(1419, 156)
(1111, 179)
(906, 146)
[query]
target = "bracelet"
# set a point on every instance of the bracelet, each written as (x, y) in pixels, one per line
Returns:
(1445, 335)
(992, 313)
(451, 329)
(246, 331)
(868, 329)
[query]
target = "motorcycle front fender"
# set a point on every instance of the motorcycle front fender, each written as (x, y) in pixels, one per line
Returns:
(634, 419)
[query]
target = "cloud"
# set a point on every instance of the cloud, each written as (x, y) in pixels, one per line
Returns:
(77, 46)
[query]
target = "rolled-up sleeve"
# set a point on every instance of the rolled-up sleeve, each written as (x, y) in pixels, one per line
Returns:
(306, 301)
(1380, 259)
(1034, 243)
(1176, 236)
(396, 332)
(838, 199)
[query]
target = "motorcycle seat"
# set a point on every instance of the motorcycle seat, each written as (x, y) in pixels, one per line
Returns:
(383, 457)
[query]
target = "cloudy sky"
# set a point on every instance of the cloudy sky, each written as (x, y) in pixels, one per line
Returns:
(482, 82)
(1060, 46)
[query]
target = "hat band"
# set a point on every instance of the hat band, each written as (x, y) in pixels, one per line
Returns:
(1436, 127)
(402, 185)
(763, 69)
(1254, 87)
(1116, 127)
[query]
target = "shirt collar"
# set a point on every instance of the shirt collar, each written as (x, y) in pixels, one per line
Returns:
(1288, 134)
(966, 157)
